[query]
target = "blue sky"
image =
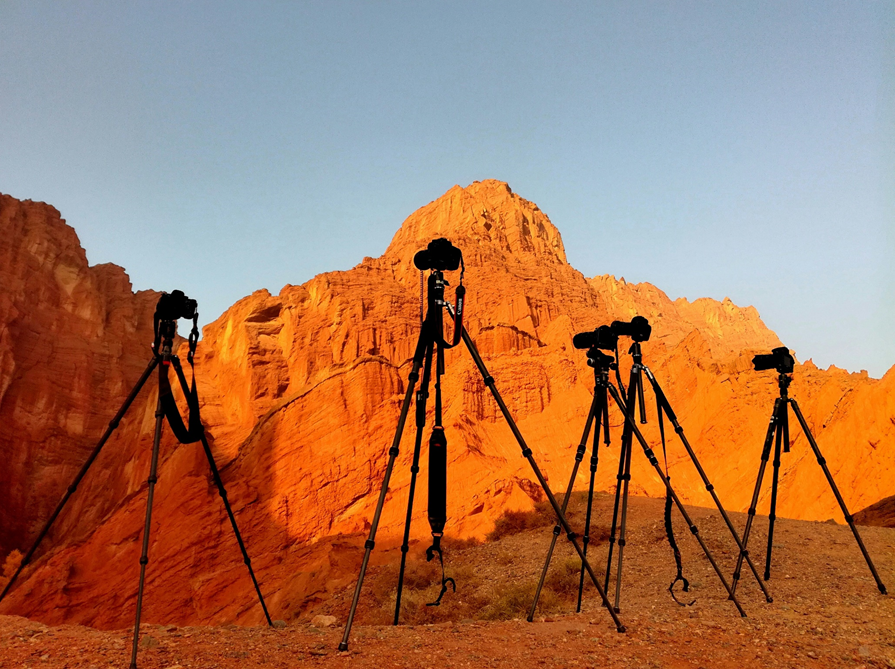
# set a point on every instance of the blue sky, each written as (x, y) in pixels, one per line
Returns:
(713, 149)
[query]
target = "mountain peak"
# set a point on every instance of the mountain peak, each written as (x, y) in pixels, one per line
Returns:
(484, 218)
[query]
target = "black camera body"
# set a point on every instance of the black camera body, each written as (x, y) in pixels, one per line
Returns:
(603, 337)
(779, 359)
(637, 329)
(174, 305)
(439, 255)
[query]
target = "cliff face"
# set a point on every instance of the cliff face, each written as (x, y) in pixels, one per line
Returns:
(73, 341)
(301, 393)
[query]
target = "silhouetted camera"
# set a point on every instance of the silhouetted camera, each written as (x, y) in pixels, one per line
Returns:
(174, 305)
(778, 359)
(603, 337)
(637, 329)
(440, 254)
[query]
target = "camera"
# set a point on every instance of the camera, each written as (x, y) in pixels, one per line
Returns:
(637, 329)
(603, 337)
(779, 359)
(174, 305)
(440, 255)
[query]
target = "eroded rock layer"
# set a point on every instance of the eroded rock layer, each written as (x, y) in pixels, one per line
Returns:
(301, 393)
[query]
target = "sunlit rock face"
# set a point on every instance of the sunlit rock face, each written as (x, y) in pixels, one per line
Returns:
(301, 393)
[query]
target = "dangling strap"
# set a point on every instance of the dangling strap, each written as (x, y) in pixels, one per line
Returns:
(169, 405)
(458, 310)
(431, 552)
(669, 529)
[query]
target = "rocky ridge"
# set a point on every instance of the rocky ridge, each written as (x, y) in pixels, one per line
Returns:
(301, 393)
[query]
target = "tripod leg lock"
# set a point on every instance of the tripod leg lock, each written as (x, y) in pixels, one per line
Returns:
(369, 544)
(585, 540)
(71, 489)
(393, 451)
(152, 479)
(710, 487)
(821, 461)
(694, 529)
(144, 560)
(526, 452)
(621, 543)
(415, 469)
(405, 548)
(114, 423)
(572, 536)
(556, 530)
(751, 511)
(489, 380)
(849, 518)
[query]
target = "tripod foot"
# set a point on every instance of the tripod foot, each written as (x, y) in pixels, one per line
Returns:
(770, 600)
(617, 610)
(621, 629)
(343, 646)
(882, 590)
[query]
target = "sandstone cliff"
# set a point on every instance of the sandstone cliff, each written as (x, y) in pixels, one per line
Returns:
(301, 393)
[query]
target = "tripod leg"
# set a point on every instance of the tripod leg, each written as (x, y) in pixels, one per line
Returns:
(413, 377)
(655, 463)
(113, 424)
(144, 555)
(623, 525)
(594, 459)
(421, 396)
(620, 509)
(848, 517)
(665, 406)
(765, 456)
(772, 516)
(219, 483)
(527, 454)
(579, 456)
(619, 478)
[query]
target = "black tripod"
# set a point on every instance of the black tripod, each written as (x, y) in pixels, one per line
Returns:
(170, 308)
(778, 434)
(604, 337)
(431, 338)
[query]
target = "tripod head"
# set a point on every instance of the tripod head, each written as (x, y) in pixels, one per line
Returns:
(600, 361)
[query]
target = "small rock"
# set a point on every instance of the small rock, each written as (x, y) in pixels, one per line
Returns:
(864, 651)
(323, 621)
(149, 642)
(279, 624)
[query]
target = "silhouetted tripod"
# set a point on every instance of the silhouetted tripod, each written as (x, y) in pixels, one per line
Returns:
(606, 337)
(439, 256)
(170, 308)
(778, 434)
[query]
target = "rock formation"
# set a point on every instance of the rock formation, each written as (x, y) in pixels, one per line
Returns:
(301, 393)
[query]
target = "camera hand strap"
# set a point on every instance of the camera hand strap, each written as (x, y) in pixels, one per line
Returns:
(169, 405)
(457, 311)
(669, 528)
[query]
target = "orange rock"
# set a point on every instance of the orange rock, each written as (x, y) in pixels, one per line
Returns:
(301, 393)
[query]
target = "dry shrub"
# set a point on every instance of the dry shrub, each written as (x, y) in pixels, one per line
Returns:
(515, 600)
(563, 578)
(514, 522)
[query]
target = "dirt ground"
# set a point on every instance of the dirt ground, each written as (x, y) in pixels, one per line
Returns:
(826, 612)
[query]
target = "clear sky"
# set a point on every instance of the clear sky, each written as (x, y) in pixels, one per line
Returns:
(713, 149)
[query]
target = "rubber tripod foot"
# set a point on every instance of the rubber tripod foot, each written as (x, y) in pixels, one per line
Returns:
(621, 629)
(343, 646)
(882, 590)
